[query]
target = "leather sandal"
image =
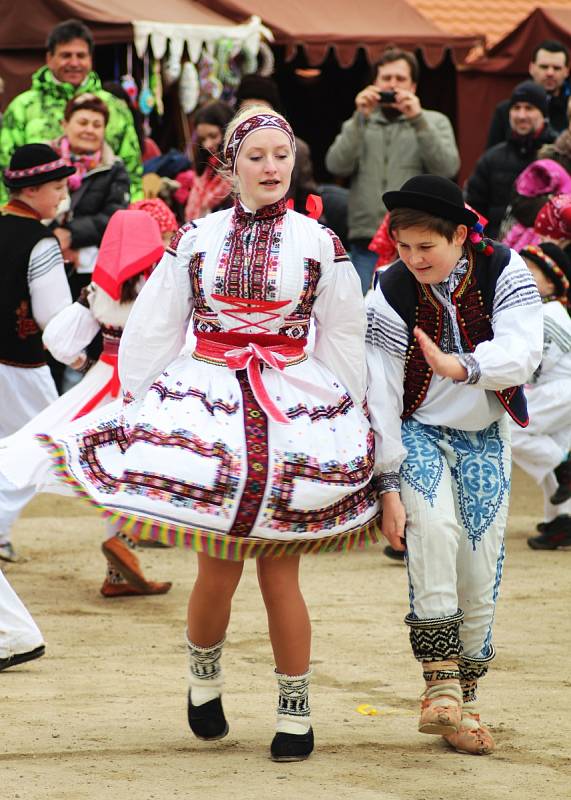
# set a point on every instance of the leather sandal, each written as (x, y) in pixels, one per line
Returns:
(472, 737)
(441, 708)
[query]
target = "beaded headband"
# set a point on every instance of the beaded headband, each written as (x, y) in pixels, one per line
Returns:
(40, 169)
(548, 266)
(250, 125)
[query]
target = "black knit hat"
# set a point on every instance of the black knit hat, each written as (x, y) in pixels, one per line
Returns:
(553, 262)
(259, 87)
(434, 195)
(532, 93)
(34, 164)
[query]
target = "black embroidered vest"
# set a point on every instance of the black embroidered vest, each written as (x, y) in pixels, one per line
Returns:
(20, 338)
(474, 300)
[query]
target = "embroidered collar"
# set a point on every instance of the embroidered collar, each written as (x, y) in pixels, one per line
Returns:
(452, 281)
(273, 211)
(20, 209)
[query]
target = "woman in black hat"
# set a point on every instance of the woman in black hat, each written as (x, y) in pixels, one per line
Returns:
(541, 449)
(454, 329)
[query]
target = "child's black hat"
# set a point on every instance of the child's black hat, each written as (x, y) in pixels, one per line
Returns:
(434, 195)
(34, 164)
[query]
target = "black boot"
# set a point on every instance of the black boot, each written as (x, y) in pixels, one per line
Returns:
(556, 534)
(563, 475)
(292, 746)
(207, 721)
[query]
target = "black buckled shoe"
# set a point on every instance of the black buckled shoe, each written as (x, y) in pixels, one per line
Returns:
(292, 746)
(556, 534)
(207, 721)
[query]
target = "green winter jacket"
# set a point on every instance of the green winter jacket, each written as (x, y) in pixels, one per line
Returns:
(380, 155)
(36, 116)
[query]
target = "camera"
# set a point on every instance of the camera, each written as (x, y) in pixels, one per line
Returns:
(387, 97)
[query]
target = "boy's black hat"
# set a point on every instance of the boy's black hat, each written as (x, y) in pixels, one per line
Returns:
(434, 195)
(34, 164)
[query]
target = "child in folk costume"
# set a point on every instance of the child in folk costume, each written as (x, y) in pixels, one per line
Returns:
(541, 448)
(249, 446)
(454, 328)
(33, 288)
(131, 245)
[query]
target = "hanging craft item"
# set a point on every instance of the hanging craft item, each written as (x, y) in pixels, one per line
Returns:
(210, 86)
(189, 87)
(172, 64)
(267, 60)
(128, 83)
(157, 88)
(146, 99)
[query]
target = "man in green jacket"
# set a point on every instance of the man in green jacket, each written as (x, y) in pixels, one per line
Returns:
(389, 139)
(36, 115)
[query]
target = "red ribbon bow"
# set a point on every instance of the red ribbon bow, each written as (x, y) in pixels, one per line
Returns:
(249, 358)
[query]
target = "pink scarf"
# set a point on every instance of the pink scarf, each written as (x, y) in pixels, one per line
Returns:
(83, 163)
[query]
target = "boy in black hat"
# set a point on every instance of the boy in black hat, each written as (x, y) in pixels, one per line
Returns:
(454, 329)
(33, 288)
(541, 448)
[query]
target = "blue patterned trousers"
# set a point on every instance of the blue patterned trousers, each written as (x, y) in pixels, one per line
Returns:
(455, 487)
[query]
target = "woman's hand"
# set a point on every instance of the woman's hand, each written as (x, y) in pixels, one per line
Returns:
(394, 520)
(444, 364)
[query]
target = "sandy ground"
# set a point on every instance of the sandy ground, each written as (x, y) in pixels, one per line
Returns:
(102, 715)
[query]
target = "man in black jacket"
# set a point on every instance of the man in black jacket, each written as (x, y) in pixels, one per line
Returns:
(490, 185)
(549, 67)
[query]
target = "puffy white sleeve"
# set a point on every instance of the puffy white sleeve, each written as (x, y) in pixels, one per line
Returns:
(156, 329)
(69, 332)
(49, 289)
(511, 357)
(339, 313)
(386, 348)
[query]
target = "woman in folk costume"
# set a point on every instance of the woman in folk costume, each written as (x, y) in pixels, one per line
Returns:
(541, 449)
(454, 328)
(248, 446)
(131, 245)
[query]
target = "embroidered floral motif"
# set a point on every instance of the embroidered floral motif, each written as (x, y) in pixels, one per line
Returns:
(169, 394)
(424, 464)
(25, 325)
(480, 477)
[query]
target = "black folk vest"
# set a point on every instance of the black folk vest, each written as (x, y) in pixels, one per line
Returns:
(20, 337)
(474, 301)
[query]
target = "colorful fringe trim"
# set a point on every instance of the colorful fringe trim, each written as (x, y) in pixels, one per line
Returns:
(219, 545)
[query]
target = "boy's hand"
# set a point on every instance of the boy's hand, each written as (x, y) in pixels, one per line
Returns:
(444, 364)
(394, 519)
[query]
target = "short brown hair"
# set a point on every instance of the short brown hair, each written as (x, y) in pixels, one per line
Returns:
(392, 54)
(86, 102)
(403, 218)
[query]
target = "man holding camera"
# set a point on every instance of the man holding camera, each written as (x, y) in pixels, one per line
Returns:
(389, 139)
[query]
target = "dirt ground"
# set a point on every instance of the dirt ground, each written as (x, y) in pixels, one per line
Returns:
(103, 715)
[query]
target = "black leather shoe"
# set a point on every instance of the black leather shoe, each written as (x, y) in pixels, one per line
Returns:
(207, 721)
(555, 535)
(21, 658)
(563, 475)
(291, 746)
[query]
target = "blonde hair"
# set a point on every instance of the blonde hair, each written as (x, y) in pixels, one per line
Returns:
(243, 114)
